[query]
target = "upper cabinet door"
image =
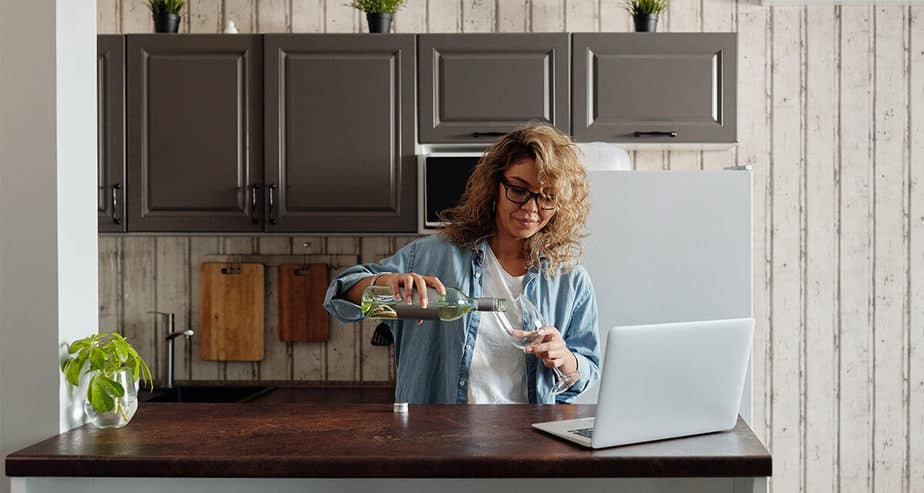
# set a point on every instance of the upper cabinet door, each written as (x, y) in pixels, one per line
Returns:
(655, 87)
(340, 133)
(474, 87)
(194, 132)
(110, 85)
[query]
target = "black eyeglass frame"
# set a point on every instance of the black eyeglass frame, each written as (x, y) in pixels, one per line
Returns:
(532, 195)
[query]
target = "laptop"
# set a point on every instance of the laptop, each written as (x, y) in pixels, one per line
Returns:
(665, 381)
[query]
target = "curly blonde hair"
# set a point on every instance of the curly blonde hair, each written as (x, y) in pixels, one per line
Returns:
(561, 175)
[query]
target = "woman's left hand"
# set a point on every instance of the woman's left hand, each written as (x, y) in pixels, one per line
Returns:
(552, 350)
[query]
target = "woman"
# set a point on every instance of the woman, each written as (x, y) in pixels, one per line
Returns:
(517, 229)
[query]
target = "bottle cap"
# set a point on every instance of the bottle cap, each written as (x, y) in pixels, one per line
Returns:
(400, 407)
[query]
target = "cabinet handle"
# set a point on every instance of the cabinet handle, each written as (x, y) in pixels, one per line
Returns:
(272, 204)
(488, 134)
(671, 133)
(115, 203)
(253, 204)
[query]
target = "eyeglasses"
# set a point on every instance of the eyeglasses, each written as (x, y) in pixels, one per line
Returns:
(520, 195)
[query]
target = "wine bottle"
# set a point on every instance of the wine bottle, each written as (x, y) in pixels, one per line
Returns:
(379, 302)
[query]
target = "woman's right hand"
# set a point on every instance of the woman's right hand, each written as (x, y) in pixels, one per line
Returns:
(404, 284)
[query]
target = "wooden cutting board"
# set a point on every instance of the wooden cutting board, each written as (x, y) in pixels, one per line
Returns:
(302, 317)
(231, 312)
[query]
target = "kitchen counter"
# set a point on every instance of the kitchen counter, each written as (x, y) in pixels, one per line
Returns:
(337, 440)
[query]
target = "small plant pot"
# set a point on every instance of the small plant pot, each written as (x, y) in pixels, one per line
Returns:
(166, 23)
(647, 23)
(379, 22)
(125, 406)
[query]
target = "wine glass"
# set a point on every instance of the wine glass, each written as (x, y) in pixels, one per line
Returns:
(521, 321)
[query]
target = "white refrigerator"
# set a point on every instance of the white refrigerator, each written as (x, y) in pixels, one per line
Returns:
(668, 246)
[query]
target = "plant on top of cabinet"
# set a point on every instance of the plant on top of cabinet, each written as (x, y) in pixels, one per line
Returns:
(114, 368)
(378, 13)
(166, 14)
(645, 13)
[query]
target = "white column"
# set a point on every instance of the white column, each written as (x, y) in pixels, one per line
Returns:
(48, 243)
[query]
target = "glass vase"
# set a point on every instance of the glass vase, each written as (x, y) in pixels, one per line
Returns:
(125, 406)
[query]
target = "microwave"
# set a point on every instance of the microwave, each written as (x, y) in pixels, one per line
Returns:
(441, 177)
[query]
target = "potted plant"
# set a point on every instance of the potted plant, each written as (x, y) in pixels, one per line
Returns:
(166, 14)
(645, 13)
(378, 13)
(114, 369)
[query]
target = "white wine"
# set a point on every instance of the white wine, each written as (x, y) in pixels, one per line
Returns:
(379, 302)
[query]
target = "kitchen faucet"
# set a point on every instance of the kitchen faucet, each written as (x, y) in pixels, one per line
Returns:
(172, 334)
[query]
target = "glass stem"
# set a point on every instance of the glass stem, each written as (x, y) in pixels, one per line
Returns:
(560, 375)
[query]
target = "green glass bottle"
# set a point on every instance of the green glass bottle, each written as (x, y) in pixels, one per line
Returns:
(379, 302)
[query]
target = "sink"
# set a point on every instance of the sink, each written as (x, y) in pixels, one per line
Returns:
(340, 393)
(206, 393)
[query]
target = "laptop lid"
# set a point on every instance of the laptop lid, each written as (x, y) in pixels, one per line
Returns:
(669, 380)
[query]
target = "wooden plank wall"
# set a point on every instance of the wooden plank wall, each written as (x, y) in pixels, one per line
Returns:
(143, 276)
(830, 111)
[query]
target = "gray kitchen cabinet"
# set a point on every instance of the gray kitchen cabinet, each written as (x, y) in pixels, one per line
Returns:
(340, 133)
(475, 87)
(110, 91)
(655, 87)
(194, 133)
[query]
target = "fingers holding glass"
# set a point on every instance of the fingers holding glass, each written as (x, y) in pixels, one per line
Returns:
(526, 327)
(549, 347)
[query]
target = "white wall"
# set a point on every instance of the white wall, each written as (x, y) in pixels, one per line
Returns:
(78, 273)
(28, 242)
(48, 246)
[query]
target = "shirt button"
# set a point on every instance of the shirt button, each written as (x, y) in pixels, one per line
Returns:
(468, 347)
(461, 383)
(477, 275)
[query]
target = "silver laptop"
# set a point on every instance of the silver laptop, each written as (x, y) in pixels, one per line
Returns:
(665, 381)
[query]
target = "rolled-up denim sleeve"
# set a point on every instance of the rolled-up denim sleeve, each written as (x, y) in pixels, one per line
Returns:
(582, 338)
(346, 311)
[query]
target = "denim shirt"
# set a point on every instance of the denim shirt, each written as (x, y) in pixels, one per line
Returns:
(433, 358)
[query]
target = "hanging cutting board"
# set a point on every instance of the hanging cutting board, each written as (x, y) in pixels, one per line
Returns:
(231, 312)
(302, 317)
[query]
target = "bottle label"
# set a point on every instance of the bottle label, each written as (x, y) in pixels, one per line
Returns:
(415, 312)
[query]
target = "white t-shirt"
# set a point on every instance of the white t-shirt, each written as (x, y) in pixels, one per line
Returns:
(498, 371)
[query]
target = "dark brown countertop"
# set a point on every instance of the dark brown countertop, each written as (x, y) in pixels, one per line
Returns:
(333, 440)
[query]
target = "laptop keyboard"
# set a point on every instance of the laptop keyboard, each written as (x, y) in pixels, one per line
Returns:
(584, 432)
